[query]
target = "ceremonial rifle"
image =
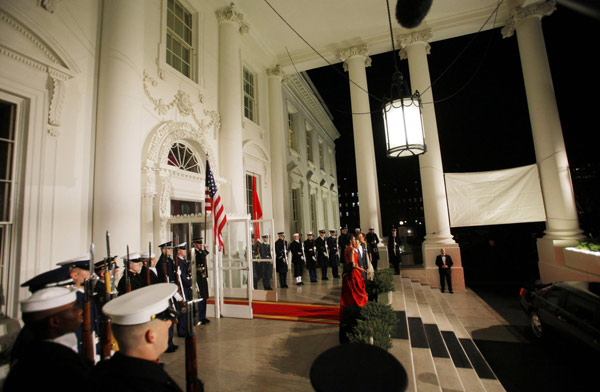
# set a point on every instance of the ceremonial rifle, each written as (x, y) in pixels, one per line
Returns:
(106, 339)
(127, 279)
(148, 262)
(87, 329)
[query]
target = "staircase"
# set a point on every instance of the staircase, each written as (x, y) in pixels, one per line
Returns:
(432, 344)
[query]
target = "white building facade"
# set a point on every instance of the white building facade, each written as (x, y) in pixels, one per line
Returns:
(110, 110)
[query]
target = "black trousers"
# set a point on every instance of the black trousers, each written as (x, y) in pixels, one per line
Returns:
(282, 279)
(446, 276)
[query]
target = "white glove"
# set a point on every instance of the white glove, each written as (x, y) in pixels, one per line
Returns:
(178, 297)
(179, 272)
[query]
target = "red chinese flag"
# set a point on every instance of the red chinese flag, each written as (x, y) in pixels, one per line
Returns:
(256, 210)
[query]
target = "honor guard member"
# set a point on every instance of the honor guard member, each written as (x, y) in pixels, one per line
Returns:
(298, 258)
(149, 264)
(140, 321)
(135, 274)
(79, 271)
(322, 253)
(310, 252)
(267, 267)
(201, 278)
(51, 315)
(165, 268)
(395, 251)
(184, 280)
(281, 259)
(343, 243)
(372, 241)
(334, 257)
(100, 289)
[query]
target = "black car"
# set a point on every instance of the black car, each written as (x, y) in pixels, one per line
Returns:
(569, 308)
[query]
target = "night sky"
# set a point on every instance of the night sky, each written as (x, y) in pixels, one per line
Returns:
(484, 123)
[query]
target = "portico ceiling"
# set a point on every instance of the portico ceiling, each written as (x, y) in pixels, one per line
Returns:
(331, 25)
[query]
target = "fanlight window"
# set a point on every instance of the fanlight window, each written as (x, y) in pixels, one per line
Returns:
(182, 157)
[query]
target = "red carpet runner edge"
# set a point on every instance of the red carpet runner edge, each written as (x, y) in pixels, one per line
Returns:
(291, 311)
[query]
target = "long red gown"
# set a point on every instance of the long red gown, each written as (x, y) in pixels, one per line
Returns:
(353, 284)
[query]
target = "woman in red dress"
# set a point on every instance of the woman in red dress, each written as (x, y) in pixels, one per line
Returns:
(354, 294)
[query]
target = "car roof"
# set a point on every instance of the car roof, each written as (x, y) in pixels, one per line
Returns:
(591, 288)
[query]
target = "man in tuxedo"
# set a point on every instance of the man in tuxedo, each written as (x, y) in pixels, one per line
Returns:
(444, 263)
(395, 250)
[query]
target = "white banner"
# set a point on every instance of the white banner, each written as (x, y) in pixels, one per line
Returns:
(495, 197)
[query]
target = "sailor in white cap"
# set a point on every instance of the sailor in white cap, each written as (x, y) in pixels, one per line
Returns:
(322, 253)
(201, 277)
(281, 256)
(137, 275)
(52, 315)
(310, 252)
(184, 280)
(298, 259)
(267, 267)
(140, 323)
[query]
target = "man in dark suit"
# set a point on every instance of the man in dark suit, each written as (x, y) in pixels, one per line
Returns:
(334, 257)
(372, 241)
(395, 250)
(298, 258)
(343, 242)
(310, 252)
(444, 263)
(281, 259)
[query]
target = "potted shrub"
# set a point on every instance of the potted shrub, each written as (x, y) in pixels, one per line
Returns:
(374, 325)
(383, 283)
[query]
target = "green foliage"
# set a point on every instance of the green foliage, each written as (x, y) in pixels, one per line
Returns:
(383, 282)
(588, 244)
(377, 322)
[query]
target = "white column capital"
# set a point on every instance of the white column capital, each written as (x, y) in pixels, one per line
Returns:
(230, 14)
(410, 39)
(538, 10)
(276, 71)
(359, 50)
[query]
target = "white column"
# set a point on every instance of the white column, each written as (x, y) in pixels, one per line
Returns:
(356, 59)
(117, 172)
(561, 213)
(231, 161)
(435, 206)
(437, 222)
(277, 127)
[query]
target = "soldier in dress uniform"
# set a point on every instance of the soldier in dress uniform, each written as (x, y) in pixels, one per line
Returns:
(343, 243)
(322, 253)
(79, 271)
(281, 259)
(149, 263)
(372, 241)
(298, 258)
(257, 270)
(310, 252)
(100, 294)
(267, 267)
(136, 274)
(141, 321)
(165, 268)
(185, 285)
(202, 278)
(51, 315)
(334, 257)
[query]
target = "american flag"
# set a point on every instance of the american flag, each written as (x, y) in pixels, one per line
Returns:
(213, 203)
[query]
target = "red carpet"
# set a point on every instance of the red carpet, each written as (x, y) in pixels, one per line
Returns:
(291, 311)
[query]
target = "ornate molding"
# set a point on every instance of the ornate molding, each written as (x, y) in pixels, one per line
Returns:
(57, 98)
(359, 50)
(231, 14)
(50, 5)
(182, 102)
(406, 40)
(276, 71)
(544, 8)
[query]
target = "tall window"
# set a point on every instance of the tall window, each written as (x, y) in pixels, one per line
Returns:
(7, 153)
(249, 199)
(331, 163)
(325, 216)
(293, 140)
(296, 210)
(313, 212)
(182, 157)
(249, 80)
(322, 155)
(179, 38)
(309, 151)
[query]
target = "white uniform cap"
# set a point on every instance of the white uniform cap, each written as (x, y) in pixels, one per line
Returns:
(48, 298)
(182, 245)
(141, 305)
(296, 234)
(76, 260)
(145, 255)
(133, 257)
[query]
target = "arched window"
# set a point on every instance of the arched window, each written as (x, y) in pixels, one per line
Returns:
(182, 157)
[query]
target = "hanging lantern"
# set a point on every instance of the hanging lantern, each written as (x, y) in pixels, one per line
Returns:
(403, 122)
